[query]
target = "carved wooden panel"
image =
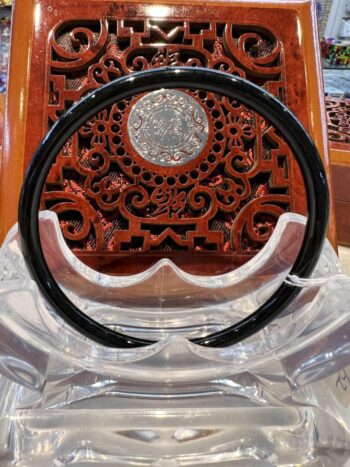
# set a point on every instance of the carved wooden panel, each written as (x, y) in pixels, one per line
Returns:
(338, 121)
(112, 202)
(341, 177)
(290, 25)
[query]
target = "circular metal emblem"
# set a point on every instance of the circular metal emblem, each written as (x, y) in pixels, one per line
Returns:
(168, 127)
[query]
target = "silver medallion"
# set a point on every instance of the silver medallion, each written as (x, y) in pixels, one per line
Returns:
(168, 127)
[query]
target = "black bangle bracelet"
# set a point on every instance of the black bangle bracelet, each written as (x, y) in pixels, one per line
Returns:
(217, 82)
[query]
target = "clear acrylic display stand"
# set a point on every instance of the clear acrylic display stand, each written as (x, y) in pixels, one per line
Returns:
(280, 397)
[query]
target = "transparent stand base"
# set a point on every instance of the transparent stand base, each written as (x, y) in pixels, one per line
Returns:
(278, 398)
(177, 437)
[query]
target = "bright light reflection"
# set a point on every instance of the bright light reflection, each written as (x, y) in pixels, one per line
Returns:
(37, 15)
(158, 11)
(300, 32)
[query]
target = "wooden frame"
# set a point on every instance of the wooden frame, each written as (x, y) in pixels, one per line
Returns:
(34, 22)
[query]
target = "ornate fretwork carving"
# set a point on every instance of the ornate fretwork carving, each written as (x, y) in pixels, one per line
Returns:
(338, 120)
(109, 199)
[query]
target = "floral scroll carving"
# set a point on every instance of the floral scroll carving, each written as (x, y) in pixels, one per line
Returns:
(111, 200)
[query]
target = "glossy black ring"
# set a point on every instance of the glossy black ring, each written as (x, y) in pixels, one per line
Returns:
(221, 83)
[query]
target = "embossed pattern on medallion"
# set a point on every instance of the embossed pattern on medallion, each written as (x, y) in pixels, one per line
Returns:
(168, 127)
(110, 198)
